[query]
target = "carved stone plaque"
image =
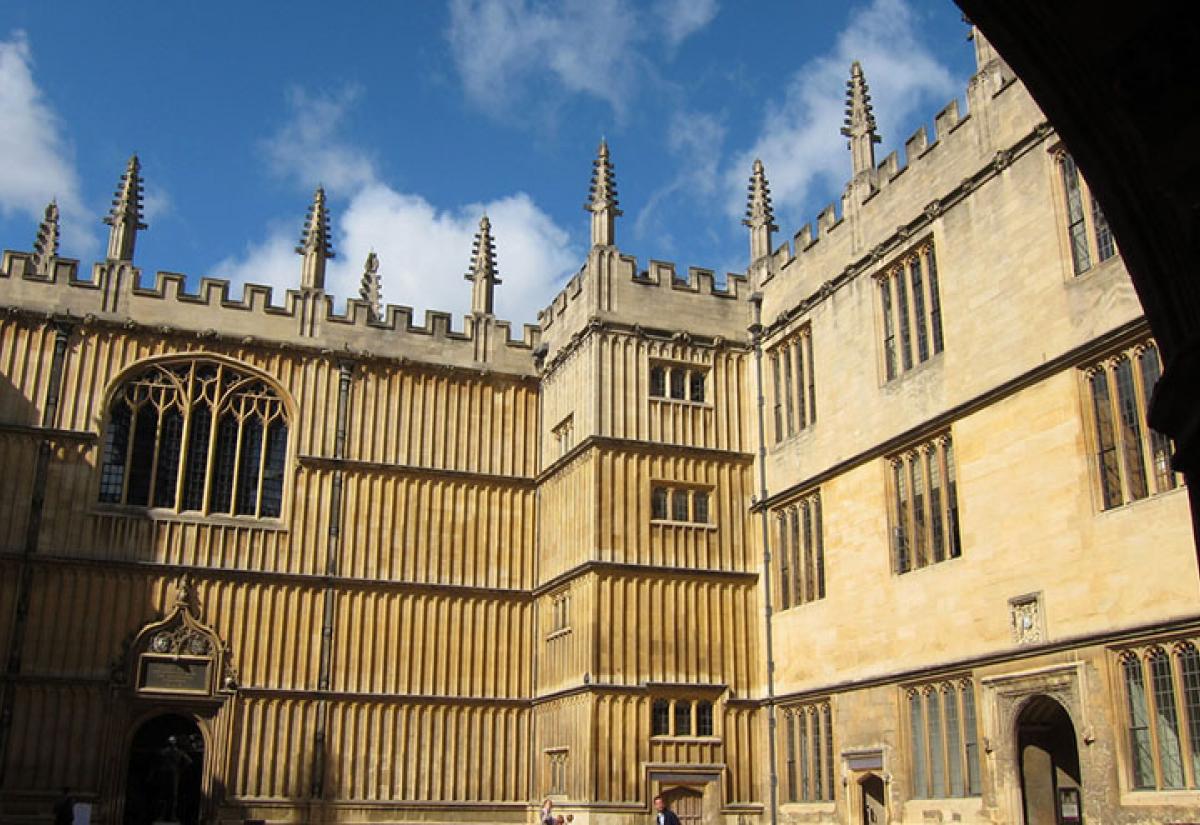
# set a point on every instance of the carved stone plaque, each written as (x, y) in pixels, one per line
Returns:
(171, 675)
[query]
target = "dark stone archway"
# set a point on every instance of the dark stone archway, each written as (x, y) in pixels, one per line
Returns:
(163, 778)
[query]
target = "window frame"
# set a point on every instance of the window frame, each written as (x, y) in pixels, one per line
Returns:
(1184, 710)
(953, 760)
(665, 498)
(678, 382)
(274, 407)
(1099, 245)
(908, 305)
(923, 532)
(800, 550)
(809, 773)
(793, 384)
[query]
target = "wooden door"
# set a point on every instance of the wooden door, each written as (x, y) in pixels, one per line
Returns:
(687, 803)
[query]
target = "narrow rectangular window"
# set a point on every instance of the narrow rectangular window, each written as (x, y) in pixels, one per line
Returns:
(658, 503)
(889, 331)
(802, 740)
(801, 413)
(827, 727)
(679, 505)
(904, 320)
(812, 390)
(952, 500)
(704, 718)
(1189, 665)
(937, 767)
(1166, 713)
(817, 752)
(1076, 228)
(954, 749)
(1105, 248)
(785, 569)
(658, 382)
(970, 741)
(935, 300)
(918, 295)
(778, 396)
(660, 718)
(678, 376)
(794, 548)
(700, 507)
(788, 398)
(696, 386)
(1106, 448)
(919, 552)
(1160, 446)
(937, 539)
(820, 551)
(919, 752)
(1131, 431)
(793, 790)
(1140, 753)
(899, 527)
(809, 561)
(683, 717)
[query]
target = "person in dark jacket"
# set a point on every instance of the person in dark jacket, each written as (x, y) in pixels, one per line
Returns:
(662, 814)
(64, 809)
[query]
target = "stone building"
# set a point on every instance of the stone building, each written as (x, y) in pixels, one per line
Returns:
(876, 532)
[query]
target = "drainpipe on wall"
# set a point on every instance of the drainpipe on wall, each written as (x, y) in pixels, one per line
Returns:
(756, 339)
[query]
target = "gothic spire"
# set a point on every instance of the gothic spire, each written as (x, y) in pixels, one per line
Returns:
(125, 218)
(315, 244)
(483, 271)
(45, 248)
(760, 217)
(603, 201)
(860, 121)
(370, 290)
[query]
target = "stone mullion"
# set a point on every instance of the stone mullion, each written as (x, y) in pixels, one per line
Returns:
(1118, 430)
(185, 433)
(811, 388)
(210, 454)
(1182, 715)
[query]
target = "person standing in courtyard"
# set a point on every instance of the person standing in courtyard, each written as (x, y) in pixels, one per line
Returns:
(662, 814)
(547, 815)
(64, 809)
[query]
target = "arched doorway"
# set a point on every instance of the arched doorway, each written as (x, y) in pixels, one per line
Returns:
(166, 761)
(687, 803)
(874, 809)
(1048, 759)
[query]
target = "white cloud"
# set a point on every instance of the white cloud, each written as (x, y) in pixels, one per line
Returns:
(306, 149)
(423, 251)
(585, 46)
(683, 18)
(799, 142)
(35, 161)
(696, 140)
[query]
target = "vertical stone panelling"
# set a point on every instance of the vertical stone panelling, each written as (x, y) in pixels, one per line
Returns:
(564, 725)
(432, 643)
(411, 752)
(566, 515)
(282, 727)
(18, 455)
(744, 753)
(25, 357)
(46, 716)
(659, 630)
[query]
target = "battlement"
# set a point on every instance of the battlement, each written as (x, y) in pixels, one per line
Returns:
(306, 317)
(890, 201)
(613, 287)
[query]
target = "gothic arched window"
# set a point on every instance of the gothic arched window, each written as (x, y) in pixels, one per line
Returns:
(196, 436)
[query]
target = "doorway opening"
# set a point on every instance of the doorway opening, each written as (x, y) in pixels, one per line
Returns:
(874, 809)
(1048, 760)
(166, 762)
(687, 803)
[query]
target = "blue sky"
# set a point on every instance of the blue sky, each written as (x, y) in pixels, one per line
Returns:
(417, 117)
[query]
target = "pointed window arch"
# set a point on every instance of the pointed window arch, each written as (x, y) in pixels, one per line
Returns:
(196, 435)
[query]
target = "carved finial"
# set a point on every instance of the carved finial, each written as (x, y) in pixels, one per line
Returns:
(45, 248)
(371, 288)
(125, 217)
(483, 271)
(760, 217)
(184, 592)
(315, 244)
(603, 201)
(860, 121)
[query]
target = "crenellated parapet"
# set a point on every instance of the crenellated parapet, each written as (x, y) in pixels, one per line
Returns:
(881, 212)
(304, 319)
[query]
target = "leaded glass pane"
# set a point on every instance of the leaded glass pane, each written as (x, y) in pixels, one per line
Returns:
(970, 743)
(700, 507)
(1076, 229)
(677, 379)
(704, 719)
(250, 464)
(220, 496)
(936, 536)
(817, 531)
(1141, 753)
(141, 459)
(683, 717)
(785, 569)
(1189, 666)
(1131, 430)
(1166, 712)
(935, 301)
(272, 485)
(1106, 447)
(900, 527)
(793, 790)
(954, 750)
(170, 446)
(827, 735)
(889, 332)
(658, 382)
(197, 457)
(937, 763)
(658, 503)
(696, 385)
(1105, 248)
(775, 382)
(814, 724)
(116, 447)
(801, 414)
(1160, 446)
(916, 719)
(789, 399)
(809, 562)
(920, 554)
(918, 295)
(904, 321)
(952, 500)
(660, 718)
(802, 741)
(679, 505)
